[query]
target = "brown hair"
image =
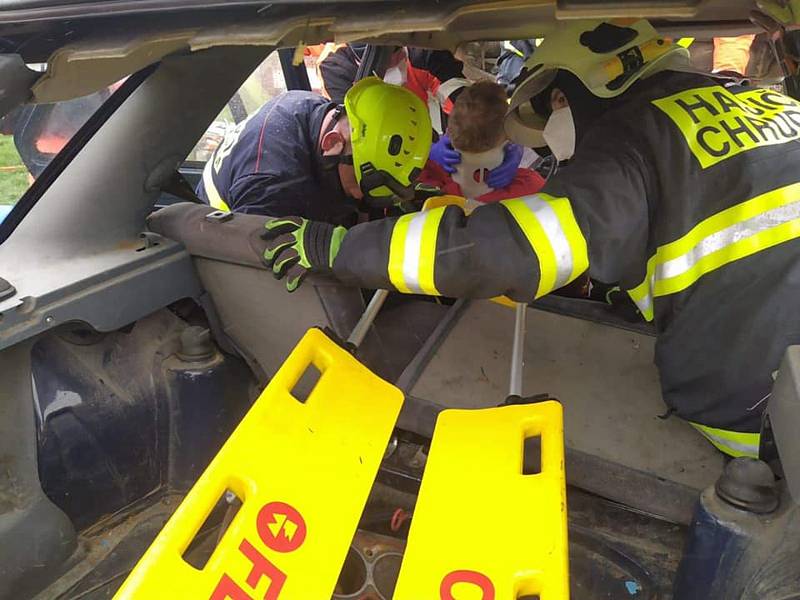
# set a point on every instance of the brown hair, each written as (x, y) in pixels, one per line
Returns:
(476, 121)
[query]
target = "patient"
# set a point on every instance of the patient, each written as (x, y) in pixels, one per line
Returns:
(476, 144)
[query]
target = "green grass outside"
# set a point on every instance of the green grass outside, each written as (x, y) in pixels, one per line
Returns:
(13, 174)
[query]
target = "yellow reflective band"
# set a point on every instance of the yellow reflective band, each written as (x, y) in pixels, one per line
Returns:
(412, 252)
(733, 443)
(397, 248)
(718, 124)
(550, 227)
(642, 294)
(737, 232)
(214, 198)
(430, 231)
(685, 42)
(538, 240)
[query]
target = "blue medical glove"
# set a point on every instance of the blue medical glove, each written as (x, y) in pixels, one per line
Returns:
(443, 153)
(502, 175)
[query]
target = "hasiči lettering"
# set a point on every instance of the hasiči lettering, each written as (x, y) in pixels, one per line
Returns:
(718, 124)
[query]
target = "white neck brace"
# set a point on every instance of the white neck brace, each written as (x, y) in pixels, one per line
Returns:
(477, 161)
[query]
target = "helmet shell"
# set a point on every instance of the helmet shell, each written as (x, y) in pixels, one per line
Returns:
(390, 132)
(607, 56)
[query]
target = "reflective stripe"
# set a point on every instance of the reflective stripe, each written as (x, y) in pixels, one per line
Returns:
(214, 199)
(733, 443)
(446, 88)
(412, 252)
(507, 45)
(553, 233)
(642, 294)
(737, 232)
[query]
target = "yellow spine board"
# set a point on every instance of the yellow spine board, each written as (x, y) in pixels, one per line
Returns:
(481, 529)
(303, 472)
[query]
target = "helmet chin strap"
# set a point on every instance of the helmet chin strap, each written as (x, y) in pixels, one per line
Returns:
(372, 179)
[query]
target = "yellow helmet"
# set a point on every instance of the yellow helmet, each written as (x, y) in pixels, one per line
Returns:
(390, 131)
(607, 56)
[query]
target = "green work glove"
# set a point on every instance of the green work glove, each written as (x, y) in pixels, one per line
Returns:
(297, 246)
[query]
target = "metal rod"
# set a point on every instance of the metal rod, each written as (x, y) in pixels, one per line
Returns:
(518, 351)
(362, 327)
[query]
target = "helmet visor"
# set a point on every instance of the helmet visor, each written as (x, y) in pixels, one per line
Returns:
(523, 123)
(532, 85)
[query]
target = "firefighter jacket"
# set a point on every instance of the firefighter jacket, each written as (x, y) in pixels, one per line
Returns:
(270, 165)
(687, 195)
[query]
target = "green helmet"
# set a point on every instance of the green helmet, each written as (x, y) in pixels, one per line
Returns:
(607, 56)
(391, 136)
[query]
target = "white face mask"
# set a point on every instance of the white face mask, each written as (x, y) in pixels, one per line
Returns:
(397, 75)
(559, 133)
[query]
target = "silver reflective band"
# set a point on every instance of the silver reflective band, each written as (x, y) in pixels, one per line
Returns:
(725, 237)
(645, 304)
(555, 235)
(413, 250)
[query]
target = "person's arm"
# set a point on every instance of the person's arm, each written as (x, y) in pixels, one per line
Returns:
(523, 248)
(595, 211)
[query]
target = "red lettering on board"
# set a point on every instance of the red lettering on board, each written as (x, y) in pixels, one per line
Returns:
(472, 577)
(228, 589)
(263, 567)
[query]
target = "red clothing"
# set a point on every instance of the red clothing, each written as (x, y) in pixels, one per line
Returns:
(421, 82)
(526, 182)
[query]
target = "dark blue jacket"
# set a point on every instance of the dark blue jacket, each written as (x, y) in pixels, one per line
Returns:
(270, 164)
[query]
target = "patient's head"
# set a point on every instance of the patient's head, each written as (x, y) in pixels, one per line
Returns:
(476, 121)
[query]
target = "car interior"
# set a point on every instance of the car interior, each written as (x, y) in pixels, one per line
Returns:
(140, 325)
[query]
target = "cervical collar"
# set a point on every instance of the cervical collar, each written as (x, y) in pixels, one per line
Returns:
(477, 161)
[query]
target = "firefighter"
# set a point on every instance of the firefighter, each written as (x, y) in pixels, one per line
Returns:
(294, 156)
(683, 192)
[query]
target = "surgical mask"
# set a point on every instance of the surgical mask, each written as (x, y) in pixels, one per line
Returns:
(559, 133)
(397, 75)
